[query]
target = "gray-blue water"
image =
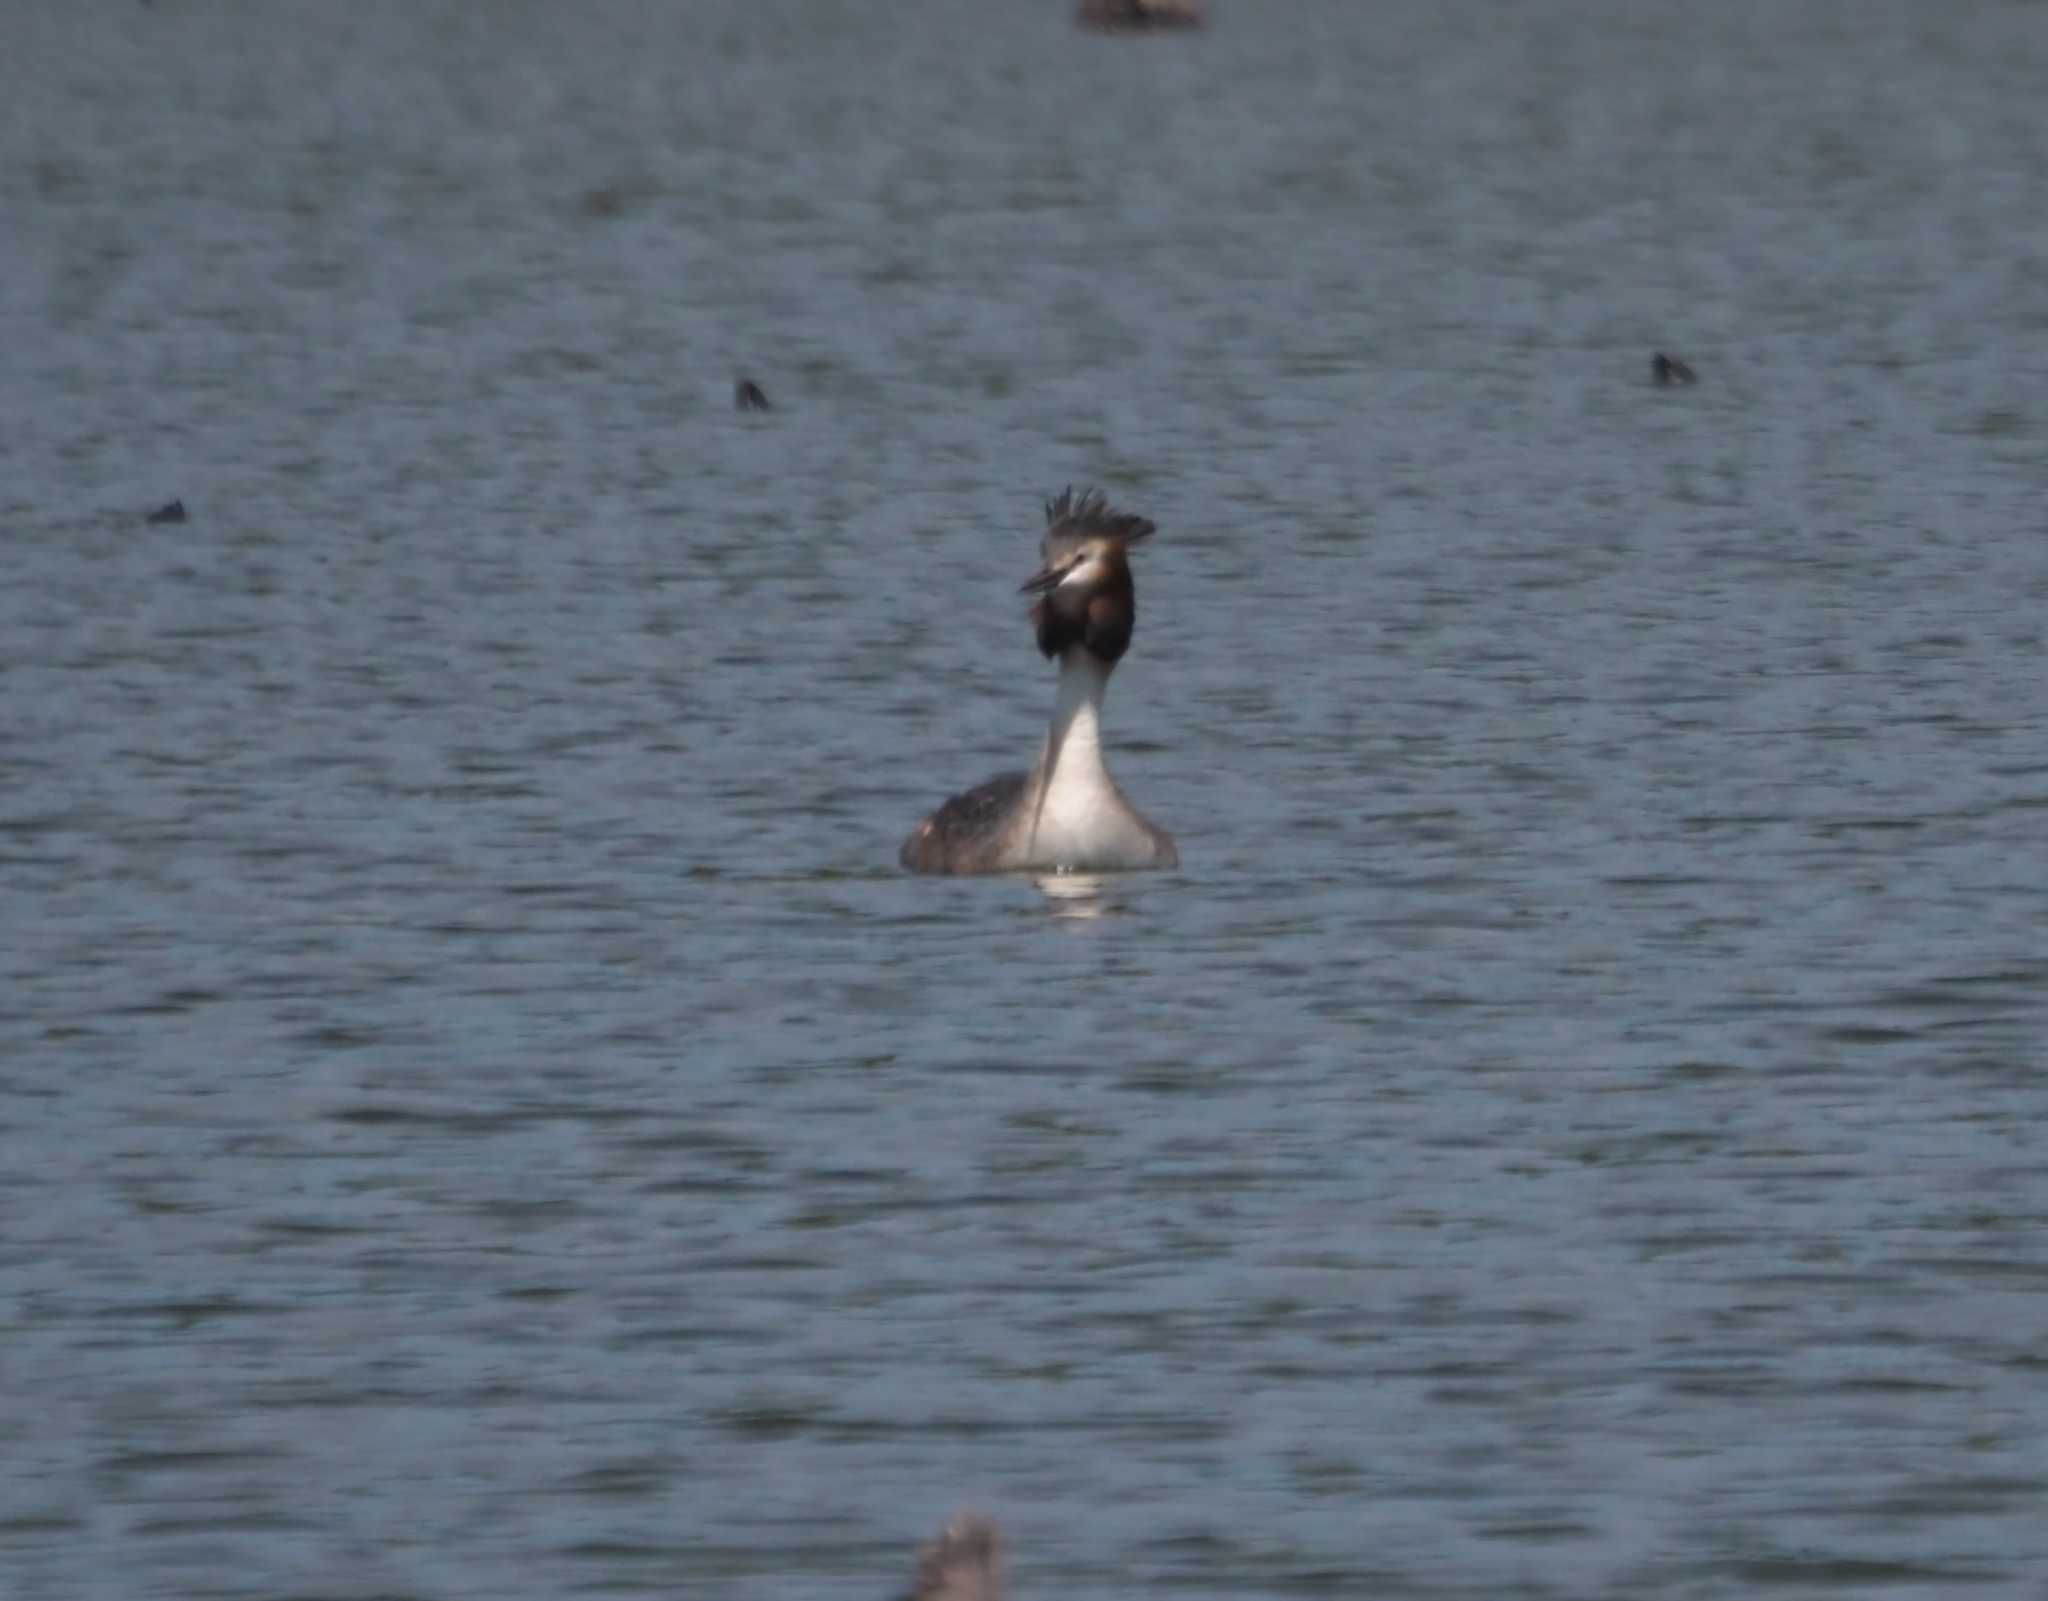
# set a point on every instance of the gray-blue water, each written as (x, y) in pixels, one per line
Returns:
(483, 1116)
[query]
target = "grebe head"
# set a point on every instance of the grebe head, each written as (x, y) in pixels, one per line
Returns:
(1085, 578)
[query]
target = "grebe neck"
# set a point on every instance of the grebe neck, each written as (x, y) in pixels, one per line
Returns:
(1071, 782)
(1072, 752)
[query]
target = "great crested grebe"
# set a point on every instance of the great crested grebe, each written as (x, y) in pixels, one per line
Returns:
(960, 1565)
(1066, 813)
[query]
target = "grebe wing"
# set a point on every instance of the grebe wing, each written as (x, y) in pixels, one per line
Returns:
(961, 836)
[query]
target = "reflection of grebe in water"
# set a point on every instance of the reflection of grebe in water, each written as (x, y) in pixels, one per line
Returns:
(1066, 813)
(960, 1565)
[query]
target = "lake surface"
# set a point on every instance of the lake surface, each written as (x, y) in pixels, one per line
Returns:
(483, 1116)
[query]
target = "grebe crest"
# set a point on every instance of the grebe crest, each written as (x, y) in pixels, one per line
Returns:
(960, 1565)
(1067, 813)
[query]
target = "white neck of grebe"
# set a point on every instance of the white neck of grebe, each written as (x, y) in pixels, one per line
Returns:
(1072, 755)
(1079, 820)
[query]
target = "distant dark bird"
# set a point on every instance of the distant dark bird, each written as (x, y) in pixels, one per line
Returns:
(960, 1565)
(747, 396)
(170, 512)
(1670, 370)
(1138, 16)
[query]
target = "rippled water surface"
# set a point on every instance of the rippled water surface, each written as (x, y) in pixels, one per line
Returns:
(483, 1116)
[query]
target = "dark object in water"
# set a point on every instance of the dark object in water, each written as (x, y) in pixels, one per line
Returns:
(1670, 370)
(960, 1565)
(170, 512)
(1138, 16)
(747, 396)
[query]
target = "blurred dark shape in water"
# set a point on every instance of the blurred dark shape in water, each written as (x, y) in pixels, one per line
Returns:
(960, 1565)
(1138, 16)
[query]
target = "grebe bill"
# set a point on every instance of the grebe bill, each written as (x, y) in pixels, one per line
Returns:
(1067, 813)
